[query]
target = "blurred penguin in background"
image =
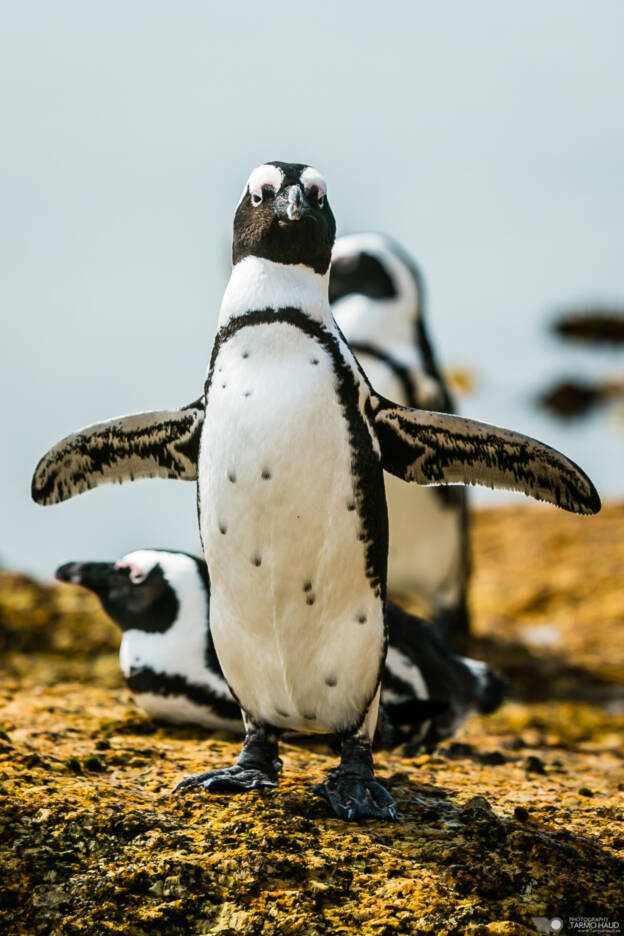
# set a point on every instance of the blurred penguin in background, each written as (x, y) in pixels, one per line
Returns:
(377, 298)
(160, 600)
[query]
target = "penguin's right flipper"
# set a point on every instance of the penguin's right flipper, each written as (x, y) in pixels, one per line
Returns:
(160, 444)
(438, 448)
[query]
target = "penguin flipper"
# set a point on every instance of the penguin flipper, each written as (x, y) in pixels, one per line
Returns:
(439, 448)
(160, 444)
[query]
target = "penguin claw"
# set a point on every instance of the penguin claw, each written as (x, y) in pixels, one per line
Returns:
(227, 780)
(353, 798)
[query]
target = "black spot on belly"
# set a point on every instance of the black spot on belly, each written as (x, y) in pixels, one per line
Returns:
(361, 619)
(310, 599)
(224, 385)
(368, 487)
(351, 505)
(309, 716)
(222, 528)
(232, 476)
(281, 712)
(307, 586)
(247, 393)
(314, 361)
(331, 681)
(266, 474)
(245, 354)
(257, 560)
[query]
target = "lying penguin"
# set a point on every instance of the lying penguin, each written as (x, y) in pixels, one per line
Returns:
(161, 602)
(289, 443)
(377, 298)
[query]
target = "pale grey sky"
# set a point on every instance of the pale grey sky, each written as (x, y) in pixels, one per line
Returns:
(487, 137)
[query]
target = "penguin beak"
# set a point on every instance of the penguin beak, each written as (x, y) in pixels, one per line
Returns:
(290, 205)
(92, 575)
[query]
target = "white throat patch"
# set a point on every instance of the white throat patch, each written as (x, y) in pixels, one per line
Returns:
(257, 284)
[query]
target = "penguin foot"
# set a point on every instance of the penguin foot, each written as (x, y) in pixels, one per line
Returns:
(354, 798)
(234, 779)
(351, 788)
(258, 766)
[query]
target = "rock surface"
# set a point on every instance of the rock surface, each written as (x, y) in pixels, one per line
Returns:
(519, 817)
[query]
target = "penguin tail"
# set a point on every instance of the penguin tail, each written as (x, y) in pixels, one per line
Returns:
(415, 711)
(491, 693)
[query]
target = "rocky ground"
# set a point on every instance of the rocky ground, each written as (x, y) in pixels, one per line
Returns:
(519, 817)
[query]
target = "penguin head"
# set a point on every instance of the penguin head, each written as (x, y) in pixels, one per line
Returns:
(284, 216)
(141, 590)
(374, 267)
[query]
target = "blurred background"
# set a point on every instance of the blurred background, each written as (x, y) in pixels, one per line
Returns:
(487, 139)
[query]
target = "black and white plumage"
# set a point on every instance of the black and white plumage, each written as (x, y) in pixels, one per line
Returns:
(162, 444)
(160, 599)
(293, 445)
(377, 298)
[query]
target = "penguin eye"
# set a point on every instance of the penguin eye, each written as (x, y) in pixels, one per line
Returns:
(256, 198)
(134, 573)
(319, 192)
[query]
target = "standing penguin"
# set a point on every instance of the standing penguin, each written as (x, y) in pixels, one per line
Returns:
(293, 442)
(377, 298)
(160, 599)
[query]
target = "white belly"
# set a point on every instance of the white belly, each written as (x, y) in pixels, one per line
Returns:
(182, 711)
(295, 622)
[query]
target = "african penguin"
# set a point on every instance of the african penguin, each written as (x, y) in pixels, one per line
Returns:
(289, 442)
(377, 297)
(160, 599)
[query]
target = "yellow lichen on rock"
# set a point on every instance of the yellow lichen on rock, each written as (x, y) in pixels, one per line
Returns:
(518, 817)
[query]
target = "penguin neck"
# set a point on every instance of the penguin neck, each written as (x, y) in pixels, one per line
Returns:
(179, 649)
(387, 324)
(257, 284)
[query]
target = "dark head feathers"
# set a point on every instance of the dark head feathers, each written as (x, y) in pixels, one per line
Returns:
(284, 216)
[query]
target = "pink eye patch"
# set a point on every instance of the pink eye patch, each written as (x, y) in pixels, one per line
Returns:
(312, 179)
(265, 175)
(136, 576)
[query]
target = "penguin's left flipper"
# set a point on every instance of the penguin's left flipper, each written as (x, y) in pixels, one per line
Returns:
(161, 444)
(351, 788)
(438, 448)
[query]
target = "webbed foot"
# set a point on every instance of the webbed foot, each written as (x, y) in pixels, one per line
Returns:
(353, 798)
(351, 788)
(258, 766)
(234, 779)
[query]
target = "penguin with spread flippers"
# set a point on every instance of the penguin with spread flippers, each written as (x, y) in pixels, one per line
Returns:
(377, 298)
(160, 599)
(289, 443)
